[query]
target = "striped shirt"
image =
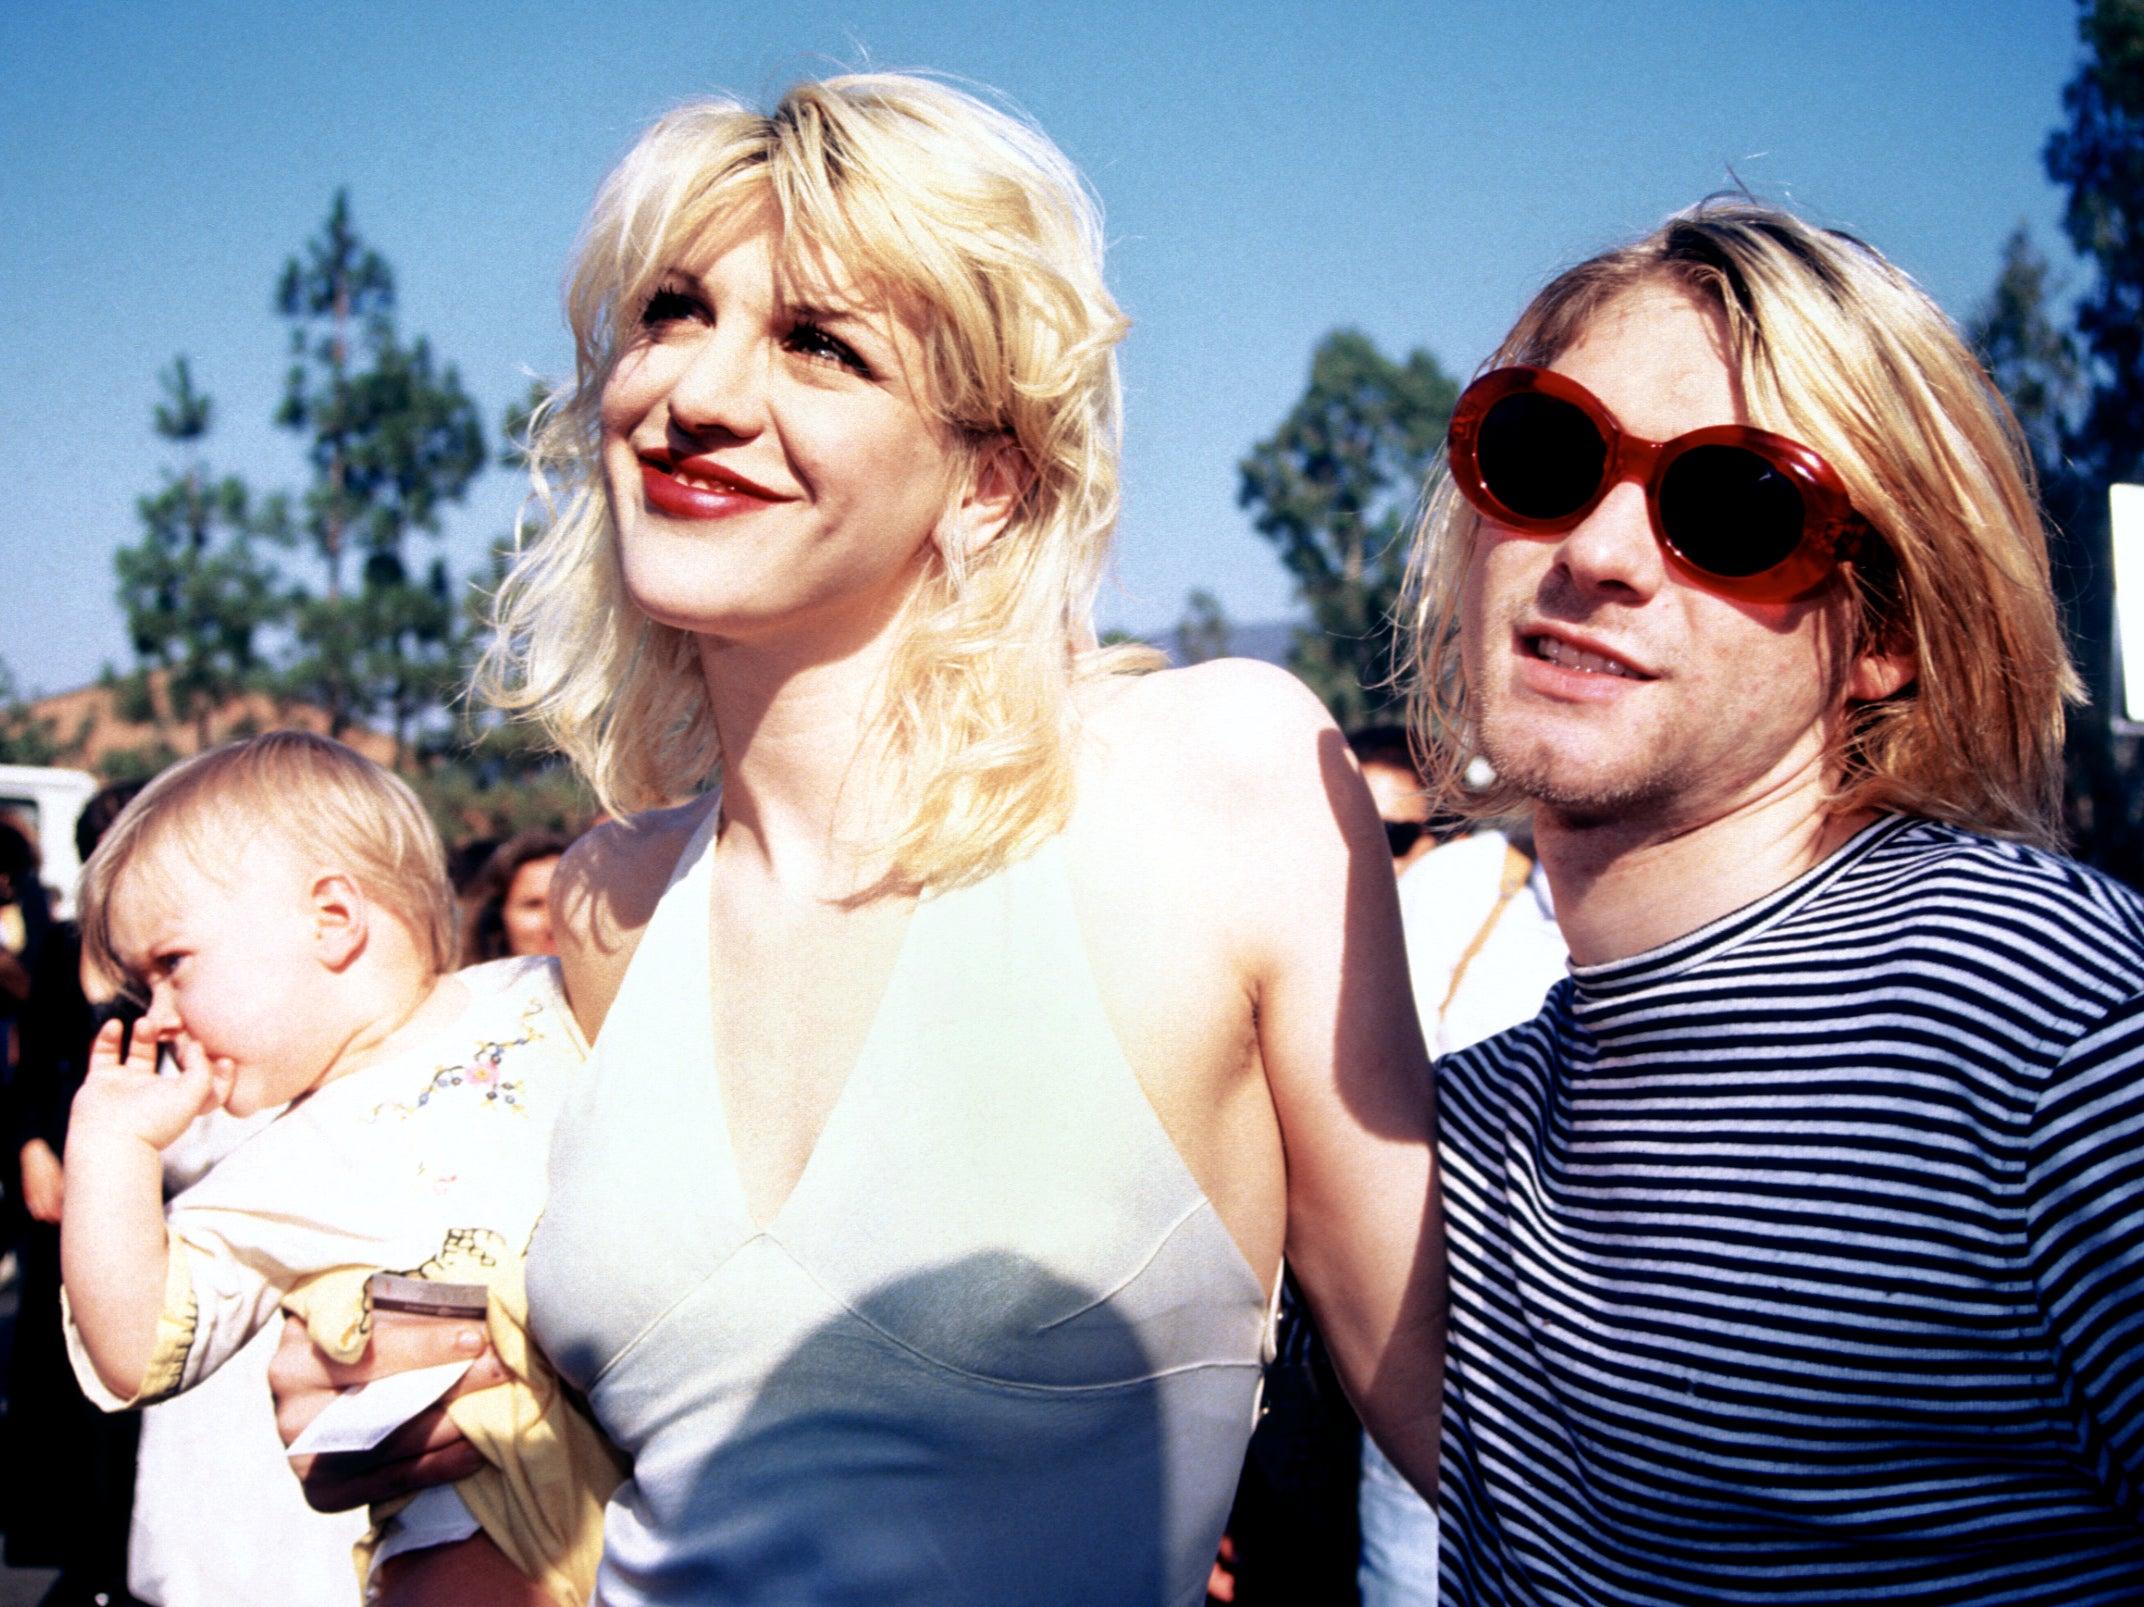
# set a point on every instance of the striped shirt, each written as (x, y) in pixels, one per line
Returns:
(1802, 1259)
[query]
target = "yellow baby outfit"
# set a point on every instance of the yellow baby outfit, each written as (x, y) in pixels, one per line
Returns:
(432, 1163)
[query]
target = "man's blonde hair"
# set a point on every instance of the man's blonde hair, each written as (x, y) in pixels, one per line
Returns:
(934, 200)
(1839, 349)
(325, 802)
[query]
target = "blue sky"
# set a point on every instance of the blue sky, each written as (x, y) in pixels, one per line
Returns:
(1268, 171)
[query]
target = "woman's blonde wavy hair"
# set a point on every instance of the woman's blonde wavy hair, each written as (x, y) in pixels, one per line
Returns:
(927, 196)
(1839, 349)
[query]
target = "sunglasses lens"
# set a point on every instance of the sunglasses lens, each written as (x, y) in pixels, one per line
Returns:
(1729, 512)
(1540, 456)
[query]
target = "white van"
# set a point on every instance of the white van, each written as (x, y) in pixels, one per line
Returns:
(48, 801)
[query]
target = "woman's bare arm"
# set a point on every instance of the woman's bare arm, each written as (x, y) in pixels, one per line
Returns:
(1347, 1069)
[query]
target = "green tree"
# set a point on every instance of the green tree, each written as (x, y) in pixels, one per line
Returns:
(196, 592)
(1334, 489)
(487, 775)
(2097, 155)
(392, 439)
(2031, 358)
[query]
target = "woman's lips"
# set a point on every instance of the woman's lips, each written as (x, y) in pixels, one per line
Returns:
(717, 496)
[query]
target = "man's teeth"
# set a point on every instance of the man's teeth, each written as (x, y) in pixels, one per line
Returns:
(1577, 658)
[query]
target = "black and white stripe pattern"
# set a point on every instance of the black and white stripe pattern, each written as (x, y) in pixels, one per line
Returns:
(1802, 1259)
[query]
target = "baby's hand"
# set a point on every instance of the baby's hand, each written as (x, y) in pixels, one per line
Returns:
(122, 1096)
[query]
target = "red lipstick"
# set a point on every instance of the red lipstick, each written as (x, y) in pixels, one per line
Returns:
(716, 493)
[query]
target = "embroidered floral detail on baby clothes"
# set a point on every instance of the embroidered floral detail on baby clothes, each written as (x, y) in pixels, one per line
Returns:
(483, 1073)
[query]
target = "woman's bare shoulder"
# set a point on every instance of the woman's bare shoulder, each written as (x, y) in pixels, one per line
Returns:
(603, 895)
(1233, 729)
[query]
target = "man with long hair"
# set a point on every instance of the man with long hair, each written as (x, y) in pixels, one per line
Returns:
(1797, 1246)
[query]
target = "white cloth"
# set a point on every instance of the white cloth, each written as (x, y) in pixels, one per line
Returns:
(218, 1519)
(1445, 898)
(996, 1346)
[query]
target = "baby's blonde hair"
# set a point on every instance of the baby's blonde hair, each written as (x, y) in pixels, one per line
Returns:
(1839, 349)
(929, 197)
(318, 798)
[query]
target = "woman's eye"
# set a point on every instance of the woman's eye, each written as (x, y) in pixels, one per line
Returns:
(668, 306)
(809, 340)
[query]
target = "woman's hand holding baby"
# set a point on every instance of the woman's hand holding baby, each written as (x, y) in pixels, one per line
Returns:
(426, 1450)
(123, 1095)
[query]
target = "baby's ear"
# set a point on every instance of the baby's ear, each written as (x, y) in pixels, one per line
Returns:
(339, 915)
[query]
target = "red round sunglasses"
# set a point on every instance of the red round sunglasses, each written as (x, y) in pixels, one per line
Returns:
(1740, 511)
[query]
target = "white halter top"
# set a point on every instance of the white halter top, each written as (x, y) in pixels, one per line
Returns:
(995, 1346)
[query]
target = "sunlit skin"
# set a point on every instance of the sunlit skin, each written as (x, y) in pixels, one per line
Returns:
(525, 912)
(231, 965)
(768, 462)
(1698, 745)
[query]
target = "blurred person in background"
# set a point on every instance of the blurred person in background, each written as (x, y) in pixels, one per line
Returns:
(507, 905)
(25, 920)
(72, 1514)
(1386, 760)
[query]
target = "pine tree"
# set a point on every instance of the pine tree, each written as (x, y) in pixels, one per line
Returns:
(1334, 488)
(2031, 358)
(196, 592)
(488, 775)
(391, 440)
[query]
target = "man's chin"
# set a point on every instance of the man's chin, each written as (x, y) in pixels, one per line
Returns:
(1580, 794)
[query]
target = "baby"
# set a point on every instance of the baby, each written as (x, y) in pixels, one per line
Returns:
(282, 903)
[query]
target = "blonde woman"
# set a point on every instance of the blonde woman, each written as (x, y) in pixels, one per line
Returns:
(965, 1063)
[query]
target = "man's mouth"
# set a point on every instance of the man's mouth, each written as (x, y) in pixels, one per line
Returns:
(1568, 656)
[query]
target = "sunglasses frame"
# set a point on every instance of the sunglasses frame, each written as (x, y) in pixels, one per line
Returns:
(1832, 530)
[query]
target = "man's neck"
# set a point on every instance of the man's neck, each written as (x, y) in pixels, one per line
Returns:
(1624, 886)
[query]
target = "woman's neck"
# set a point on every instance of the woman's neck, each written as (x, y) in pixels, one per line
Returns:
(801, 786)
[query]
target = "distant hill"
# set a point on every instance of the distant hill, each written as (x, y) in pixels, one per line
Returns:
(1269, 640)
(88, 722)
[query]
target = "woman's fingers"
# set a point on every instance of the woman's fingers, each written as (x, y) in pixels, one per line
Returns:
(427, 1450)
(303, 1380)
